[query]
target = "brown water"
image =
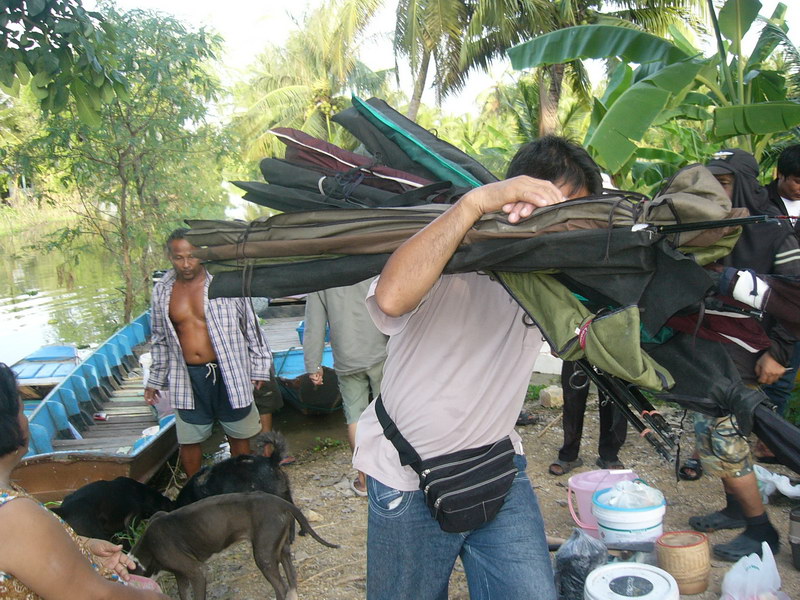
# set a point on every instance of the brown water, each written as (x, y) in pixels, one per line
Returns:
(302, 432)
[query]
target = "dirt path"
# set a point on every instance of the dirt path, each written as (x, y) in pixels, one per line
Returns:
(320, 484)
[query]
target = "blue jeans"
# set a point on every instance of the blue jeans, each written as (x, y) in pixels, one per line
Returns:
(410, 557)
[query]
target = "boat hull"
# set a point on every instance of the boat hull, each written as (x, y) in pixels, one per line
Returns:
(95, 425)
(51, 476)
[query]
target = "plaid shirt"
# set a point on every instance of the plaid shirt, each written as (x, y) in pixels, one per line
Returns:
(242, 352)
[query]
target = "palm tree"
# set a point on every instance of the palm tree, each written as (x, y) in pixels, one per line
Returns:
(305, 83)
(428, 29)
(463, 35)
(493, 31)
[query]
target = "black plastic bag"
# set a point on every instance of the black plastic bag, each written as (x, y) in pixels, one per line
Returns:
(578, 556)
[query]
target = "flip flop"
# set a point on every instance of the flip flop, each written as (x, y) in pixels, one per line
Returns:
(609, 464)
(715, 521)
(562, 467)
(355, 490)
(691, 464)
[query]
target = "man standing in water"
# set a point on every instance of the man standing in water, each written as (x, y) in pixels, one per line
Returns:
(207, 354)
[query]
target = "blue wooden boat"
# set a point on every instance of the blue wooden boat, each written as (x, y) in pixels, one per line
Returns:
(94, 424)
(42, 370)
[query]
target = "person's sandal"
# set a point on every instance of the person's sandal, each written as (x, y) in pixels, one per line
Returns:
(691, 470)
(354, 488)
(562, 467)
(715, 521)
(609, 464)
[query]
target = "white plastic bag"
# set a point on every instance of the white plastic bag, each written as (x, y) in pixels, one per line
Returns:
(768, 482)
(633, 494)
(753, 578)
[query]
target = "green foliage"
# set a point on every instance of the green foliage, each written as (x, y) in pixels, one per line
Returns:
(305, 83)
(133, 531)
(326, 443)
(60, 52)
(655, 118)
(534, 391)
(496, 27)
(151, 161)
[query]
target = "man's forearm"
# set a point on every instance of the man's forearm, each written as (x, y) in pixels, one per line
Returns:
(416, 265)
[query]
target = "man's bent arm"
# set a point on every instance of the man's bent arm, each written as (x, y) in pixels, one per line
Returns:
(415, 266)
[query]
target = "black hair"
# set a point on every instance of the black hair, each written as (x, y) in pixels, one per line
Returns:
(558, 160)
(178, 234)
(789, 161)
(11, 436)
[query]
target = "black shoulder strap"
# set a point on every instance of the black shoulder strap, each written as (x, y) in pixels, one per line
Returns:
(408, 456)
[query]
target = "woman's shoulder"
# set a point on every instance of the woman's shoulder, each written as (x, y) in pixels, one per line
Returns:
(7, 494)
(14, 503)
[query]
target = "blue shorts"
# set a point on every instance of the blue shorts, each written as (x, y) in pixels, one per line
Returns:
(211, 402)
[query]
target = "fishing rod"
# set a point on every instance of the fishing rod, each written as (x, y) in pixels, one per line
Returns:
(697, 225)
(636, 409)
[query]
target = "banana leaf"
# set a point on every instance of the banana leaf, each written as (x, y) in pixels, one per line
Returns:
(594, 41)
(627, 120)
(761, 118)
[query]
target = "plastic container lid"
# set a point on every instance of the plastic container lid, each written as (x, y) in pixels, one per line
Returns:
(620, 581)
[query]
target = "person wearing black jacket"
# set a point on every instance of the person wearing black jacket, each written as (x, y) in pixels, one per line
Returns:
(767, 248)
(784, 197)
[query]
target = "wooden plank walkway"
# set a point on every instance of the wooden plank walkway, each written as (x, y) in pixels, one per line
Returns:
(127, 416)
(281, 333)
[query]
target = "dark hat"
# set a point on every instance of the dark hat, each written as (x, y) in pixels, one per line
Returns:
(733, 160)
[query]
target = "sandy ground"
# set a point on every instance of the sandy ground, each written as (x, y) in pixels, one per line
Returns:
(320, 487)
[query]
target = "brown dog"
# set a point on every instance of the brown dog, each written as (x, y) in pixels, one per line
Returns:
(182, 540)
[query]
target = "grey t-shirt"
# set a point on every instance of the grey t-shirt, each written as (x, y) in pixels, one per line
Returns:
(357, 345)
(455, 378)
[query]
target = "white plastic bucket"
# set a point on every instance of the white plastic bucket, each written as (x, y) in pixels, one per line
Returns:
(619, 581)
(584, 485)
(618, 525)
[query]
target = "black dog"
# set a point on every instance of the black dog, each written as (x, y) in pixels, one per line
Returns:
(244, 473)
(102, 509)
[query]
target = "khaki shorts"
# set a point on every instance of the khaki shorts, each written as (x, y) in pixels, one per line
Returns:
(243, 429)
(355, 390)
(723, 452)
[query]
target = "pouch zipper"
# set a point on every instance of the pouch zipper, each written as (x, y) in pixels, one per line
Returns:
(478, 466)
(472, 487)
(457, 462)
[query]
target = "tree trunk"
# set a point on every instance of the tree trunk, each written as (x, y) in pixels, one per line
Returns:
(125, 250)
(550, 82)
(419, 85)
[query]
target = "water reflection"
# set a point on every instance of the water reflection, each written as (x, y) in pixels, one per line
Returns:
(44, 299)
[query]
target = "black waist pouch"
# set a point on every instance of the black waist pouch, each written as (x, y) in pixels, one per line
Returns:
(463, 490)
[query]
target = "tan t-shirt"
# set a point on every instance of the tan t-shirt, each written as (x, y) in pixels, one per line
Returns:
(456, 375)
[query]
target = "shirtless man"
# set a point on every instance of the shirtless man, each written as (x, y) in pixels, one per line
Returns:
(207, 354)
